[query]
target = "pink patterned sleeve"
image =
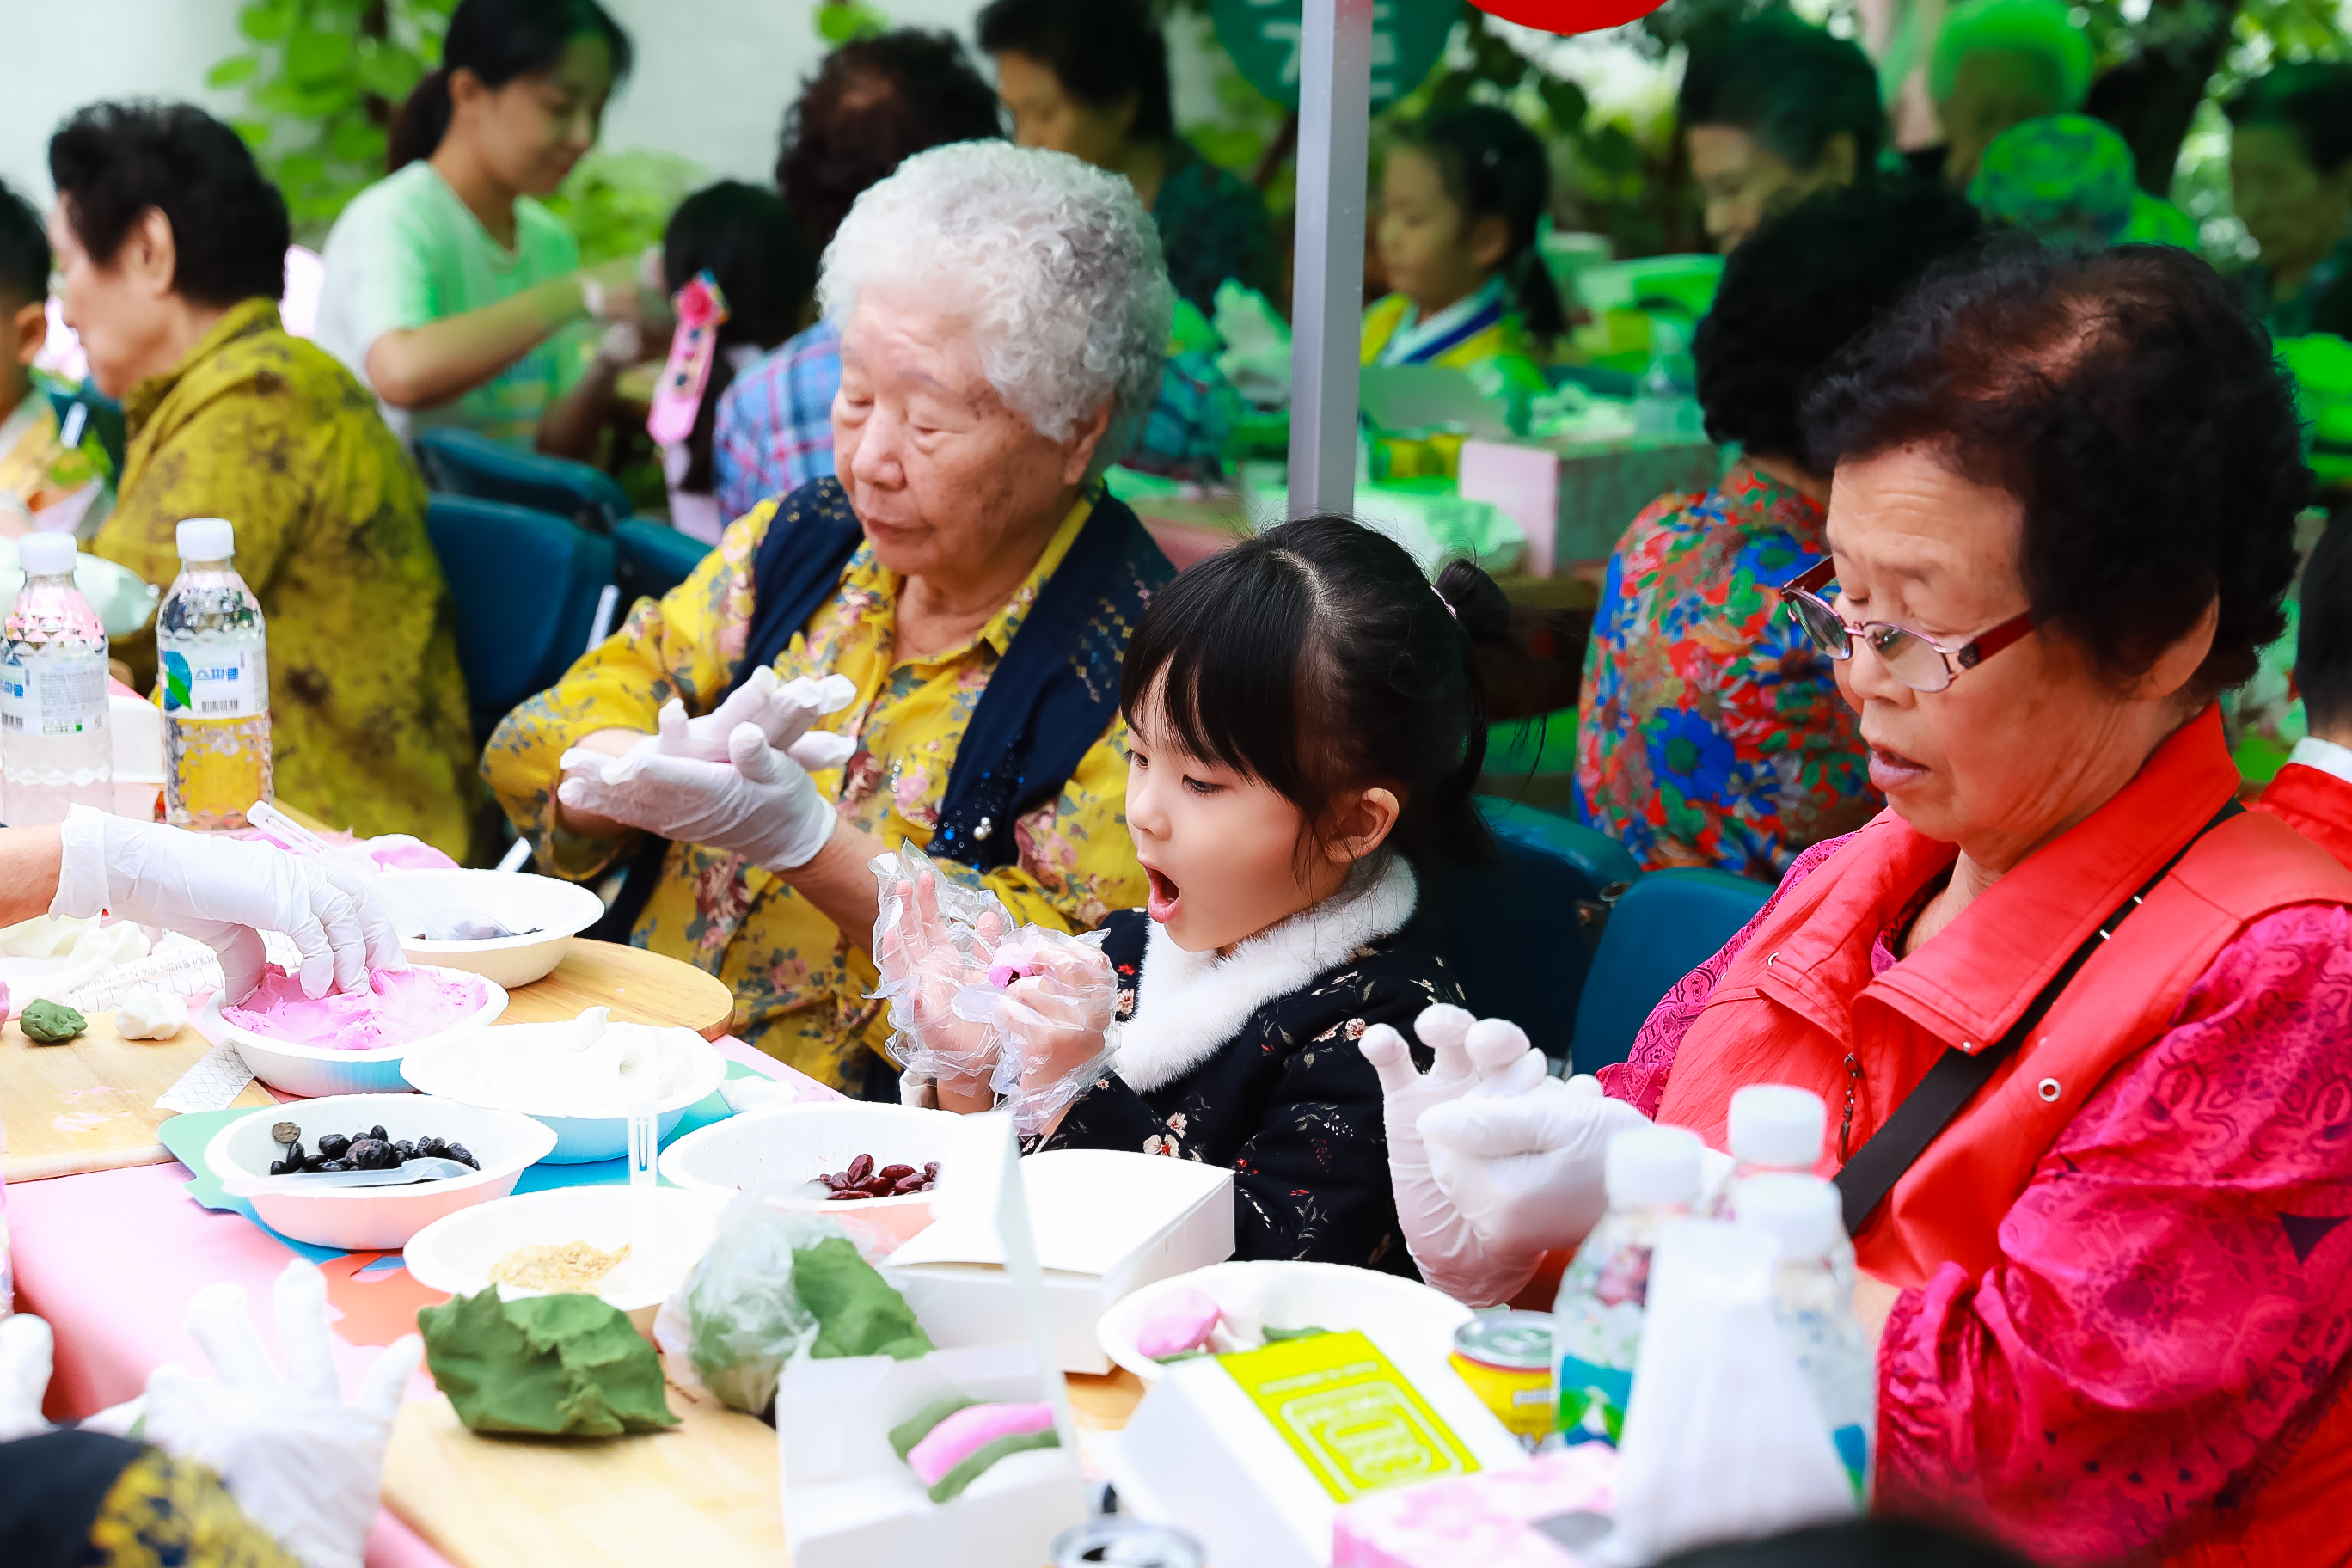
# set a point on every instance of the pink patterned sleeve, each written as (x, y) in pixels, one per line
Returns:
(2174, 1300)
(1640, 1078)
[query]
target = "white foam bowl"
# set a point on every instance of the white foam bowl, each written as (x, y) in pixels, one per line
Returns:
(313, 1070)
(516, 899)
(371, 1219)
(795, 1144)
(456, 1254)
(578, 1140)
(1294, 1296)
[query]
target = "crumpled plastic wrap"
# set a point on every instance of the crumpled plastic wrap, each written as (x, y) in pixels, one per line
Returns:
(1052, 1000)
(932, 939)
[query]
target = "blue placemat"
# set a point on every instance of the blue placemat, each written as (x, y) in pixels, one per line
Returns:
(186, 1136)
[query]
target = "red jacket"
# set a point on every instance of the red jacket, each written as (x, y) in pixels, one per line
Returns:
(2315, 804)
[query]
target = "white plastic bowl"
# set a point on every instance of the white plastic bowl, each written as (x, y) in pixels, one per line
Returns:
(578, 1139)
(517, 899)
(456, 1254)
(313, 1070)
(795, 1144)
(1295, 1296)
(371, 1219)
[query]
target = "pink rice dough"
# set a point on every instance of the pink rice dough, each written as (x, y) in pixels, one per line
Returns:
(401, 853)
(973, 1428)
(1005, 973)
(399, 1006)
(1178, 1321)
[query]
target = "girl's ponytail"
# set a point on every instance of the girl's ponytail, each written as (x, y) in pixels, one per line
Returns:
(423, 121)
(1545, 316)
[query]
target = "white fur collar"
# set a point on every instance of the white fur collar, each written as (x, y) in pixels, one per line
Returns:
(1190, 1003)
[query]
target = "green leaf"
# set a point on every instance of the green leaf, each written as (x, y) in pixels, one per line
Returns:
(233, 70)
(356, 141)
(388, 70)
(303, 168)
(313, 56)
(266, 21)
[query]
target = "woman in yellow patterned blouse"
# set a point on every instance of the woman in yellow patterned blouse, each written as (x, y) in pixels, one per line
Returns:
(965, 582)
(172, 249)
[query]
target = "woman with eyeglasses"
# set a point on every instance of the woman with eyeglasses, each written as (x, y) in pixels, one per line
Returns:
(2084, 1026)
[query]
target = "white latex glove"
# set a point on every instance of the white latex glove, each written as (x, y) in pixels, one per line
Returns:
(226, 892)
(1467, 1051)
(302, 1464)
(26, 1351)
(783, 712)
(1525, 1168)
(759, 802)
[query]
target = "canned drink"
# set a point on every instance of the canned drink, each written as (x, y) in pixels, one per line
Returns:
(1505, 1358)
(1128, 1542)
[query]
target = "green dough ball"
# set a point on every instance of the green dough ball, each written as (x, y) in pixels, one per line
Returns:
(51, 1023)
(559, 1366)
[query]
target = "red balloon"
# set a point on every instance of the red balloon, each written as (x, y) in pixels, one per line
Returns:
(1569, 16)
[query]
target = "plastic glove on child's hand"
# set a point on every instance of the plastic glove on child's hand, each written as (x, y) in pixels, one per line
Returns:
(26, 1352)
(926, 956)
(302, 1464)
(1054, 1015)
(1523, 1165)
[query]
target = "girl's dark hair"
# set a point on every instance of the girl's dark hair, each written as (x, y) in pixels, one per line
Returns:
(497, 40)
(744, 239)
(1103, 52)
(1792, 87)
(872, 105)
(25, 258)
(2313, 99)
(1316, 658)
(1494, 166)
(111, 162)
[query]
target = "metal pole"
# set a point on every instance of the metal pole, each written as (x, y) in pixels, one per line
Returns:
(1328, 289)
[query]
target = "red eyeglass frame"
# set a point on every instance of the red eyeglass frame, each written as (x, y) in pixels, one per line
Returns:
(1967, 655)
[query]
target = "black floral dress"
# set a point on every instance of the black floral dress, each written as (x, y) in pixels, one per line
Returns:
(1288, 1102)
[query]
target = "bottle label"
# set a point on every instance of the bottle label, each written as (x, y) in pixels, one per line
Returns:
(1592, 1400)
(53, 696)
(217, 683)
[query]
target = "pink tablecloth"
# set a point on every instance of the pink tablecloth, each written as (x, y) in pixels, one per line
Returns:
(110, 1259)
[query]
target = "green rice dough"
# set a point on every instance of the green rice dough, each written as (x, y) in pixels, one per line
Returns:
(558, 1367)
(51, 1023)
(950, 1486)
(856, 1310)
(916, 1427)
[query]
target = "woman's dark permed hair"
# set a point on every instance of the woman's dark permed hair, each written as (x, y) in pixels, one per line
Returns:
(872, 105)
(1318, 659)
(25, 260)
(1103, 52)
(1803, 287)
(1791, 86)
(2323, 641)
(2134, 412)
(1496, 167)
(497, 40)
(2313, 99)
(743, 236)
(112, 162)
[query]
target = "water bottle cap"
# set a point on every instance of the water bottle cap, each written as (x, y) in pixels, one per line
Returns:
(207, 539)
(1802, 1211)
(45, 555)
(1651, 1166)
(1778, 1124)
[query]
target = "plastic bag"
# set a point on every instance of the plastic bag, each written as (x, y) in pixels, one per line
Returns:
(744, 1318)
(1051, 999)
(932, 939)
(1256, 357)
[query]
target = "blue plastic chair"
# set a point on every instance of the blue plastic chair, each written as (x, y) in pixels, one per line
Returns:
(525, 586)
(1666, 925)
(652, 559)
(466, 463)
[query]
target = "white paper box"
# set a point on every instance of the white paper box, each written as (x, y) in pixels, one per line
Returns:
(1199, 1455)
(1105, 1223)
(851, 1502)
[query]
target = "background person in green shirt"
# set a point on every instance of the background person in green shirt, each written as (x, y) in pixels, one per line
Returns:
(452, 293)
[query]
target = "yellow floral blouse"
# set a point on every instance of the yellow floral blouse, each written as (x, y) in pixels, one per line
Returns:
(799, 988)
(369, 728)
(166, 1513)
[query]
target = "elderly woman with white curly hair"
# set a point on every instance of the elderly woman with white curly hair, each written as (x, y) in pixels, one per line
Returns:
(959, 600)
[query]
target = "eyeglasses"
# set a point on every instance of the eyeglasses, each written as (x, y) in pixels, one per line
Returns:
(1914, 658)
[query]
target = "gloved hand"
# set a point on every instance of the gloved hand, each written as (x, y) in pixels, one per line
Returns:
(1525, 1168)
(759, 802)
(1467, 1051)
(1052, 997)
(27, 1351)
(226, 892)
(932, 939)
(302, 1464)
(783, 711)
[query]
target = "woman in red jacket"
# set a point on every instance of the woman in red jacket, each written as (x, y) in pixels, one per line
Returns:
(2103, 1232)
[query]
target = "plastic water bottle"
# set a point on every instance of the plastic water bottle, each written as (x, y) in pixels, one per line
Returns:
(1653, 1174)
(216, 679)
(1812, 1301)
(1776, 1129)
(55, 752)
(1665, 400)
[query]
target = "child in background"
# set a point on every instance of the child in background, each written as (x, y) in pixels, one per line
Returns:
(1461, 197)
(55, 476)
(1306, 726)
(745, 239)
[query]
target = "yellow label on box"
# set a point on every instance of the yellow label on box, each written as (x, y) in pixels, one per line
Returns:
(1349, 1415)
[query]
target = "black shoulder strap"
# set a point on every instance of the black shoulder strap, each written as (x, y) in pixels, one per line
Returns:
(1957, 1075)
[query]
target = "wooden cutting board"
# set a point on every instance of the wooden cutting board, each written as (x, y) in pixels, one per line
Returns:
(89, 1104)
(640, 987)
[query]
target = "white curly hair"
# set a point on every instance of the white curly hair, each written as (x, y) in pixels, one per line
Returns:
(1055, 264)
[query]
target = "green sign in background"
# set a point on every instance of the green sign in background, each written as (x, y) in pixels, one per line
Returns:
(1263, 37)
